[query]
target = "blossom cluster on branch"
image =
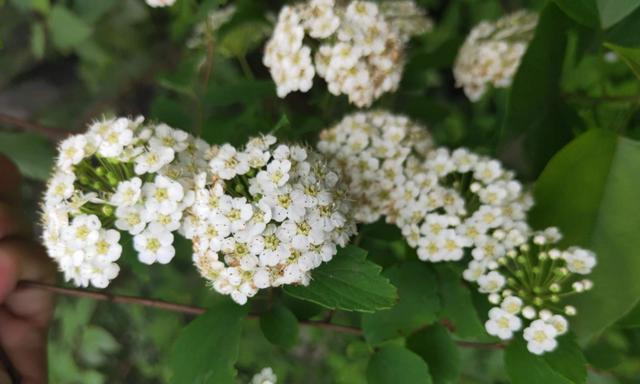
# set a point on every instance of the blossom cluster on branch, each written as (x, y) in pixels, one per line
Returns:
(458, 205)
(357, 48)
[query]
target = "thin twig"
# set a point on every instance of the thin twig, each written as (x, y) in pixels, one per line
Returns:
(193, 310)
(51, 133)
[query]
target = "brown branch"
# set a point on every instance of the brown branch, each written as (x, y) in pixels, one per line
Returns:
(193, 310)
(52, 134)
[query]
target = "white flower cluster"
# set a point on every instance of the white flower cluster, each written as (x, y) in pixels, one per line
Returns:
(371, 149)
(458, 200)
(160, 3)
(120, 176)
(360, 47)
(265, 376)
(492, 52)
(528, 284)
(266, 216)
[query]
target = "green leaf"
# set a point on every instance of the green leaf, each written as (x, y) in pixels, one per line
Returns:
(348, 282)
(280, 326)
(435, 346)
(32, 153)
(565, 365)
(242, 91)
(418, 305)
(242, 38)
(631, 319)
(96, 344)
(590, 191)
(457, 304)
(627, 32)
(37, 40)
(67, 29)
(631, 56)
(535, 110)
(207, 348)
(584, 12)
(612, 11)
(394, 364)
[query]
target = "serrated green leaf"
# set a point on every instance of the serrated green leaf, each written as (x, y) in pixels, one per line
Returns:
(418, 306)
(280, 326)
(32, 153)
(535, 109)
(589, 190)
(67, 29)
(612, 11)
(435, 346)
(565, 365)
(348, 282)
(631, 56)
(207, 349)
(394, 364)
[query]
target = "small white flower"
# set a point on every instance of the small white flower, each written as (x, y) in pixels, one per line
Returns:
(163, 195)
(160, 3)
(265, 376)
(559, 323)
(579, 260)
(512, 304)
(154, 245)
(502, 323)
(115, 137)
(71, 151)
(153, 159)
(491, 282)
(127, 193)
(540, 337)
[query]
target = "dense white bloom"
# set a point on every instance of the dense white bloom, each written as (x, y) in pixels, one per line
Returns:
(502, 323)
(121, 175)
(267, 215)
(540, 337)
(160, 3)
(491, 54)
(361, 46)
(265, 376)
(371, 150)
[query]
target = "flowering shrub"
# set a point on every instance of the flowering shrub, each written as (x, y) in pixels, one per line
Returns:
(456, 203)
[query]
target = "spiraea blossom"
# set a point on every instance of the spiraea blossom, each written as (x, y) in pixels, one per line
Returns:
(265, 216)
(455, 201)
(360, 46)
(121, 176)
(371, 149)
(160, 3)
(529, 285)
(492, 52)
(265, 376)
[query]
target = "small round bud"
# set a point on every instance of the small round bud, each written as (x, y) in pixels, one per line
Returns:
(96, 185)
(522, 293)
(545, 314)
(524, 247)
(536, 270)
(512, 253)
(522, 260)
(555, 298)
(538, 301)
(112, 179)
(543, 256)
(554, 254)
(528, 312)
(100, 171)
(537, 290)
(539, 240)
(475, 187)
(588, 284)
(499, 234)
(561, 272)
(570, 310)
(107, 210)
(84, 180)
(577, 286)
(520, 274)
(555, 288)
(239, 188)
(507, 293)
(494, 298)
